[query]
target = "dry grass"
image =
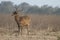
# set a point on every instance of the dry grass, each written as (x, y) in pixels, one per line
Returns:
(43, 27)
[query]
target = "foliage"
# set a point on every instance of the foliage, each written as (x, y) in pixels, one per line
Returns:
(8, 7)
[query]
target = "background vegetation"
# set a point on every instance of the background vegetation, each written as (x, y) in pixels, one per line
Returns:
(8, 7)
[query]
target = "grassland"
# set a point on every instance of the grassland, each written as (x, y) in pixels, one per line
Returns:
(42, 27)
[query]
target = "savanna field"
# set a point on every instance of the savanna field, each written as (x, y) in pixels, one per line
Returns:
(42, 27)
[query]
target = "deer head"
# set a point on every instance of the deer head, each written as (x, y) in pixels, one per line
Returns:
(15, 12)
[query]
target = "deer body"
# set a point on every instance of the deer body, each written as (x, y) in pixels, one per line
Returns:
(22, 21)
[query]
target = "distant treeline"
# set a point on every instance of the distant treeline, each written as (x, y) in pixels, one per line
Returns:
(9, 7)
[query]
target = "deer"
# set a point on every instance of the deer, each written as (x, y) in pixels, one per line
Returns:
(22, 21)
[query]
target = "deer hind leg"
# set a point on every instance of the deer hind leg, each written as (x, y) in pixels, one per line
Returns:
(27, 31)
(21, 30)
(27, 27)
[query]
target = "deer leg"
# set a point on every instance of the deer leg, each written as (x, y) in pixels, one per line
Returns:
(21, 30)
(18, 28)
(27, 30)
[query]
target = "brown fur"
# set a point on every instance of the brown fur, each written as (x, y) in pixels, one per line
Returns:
(22, 21)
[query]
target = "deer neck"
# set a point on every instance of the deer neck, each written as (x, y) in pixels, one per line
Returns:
(16, 17)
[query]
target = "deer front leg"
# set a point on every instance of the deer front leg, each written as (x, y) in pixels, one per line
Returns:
(18, 29)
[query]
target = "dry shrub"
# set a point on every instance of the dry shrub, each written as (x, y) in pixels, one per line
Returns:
(38, 22)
